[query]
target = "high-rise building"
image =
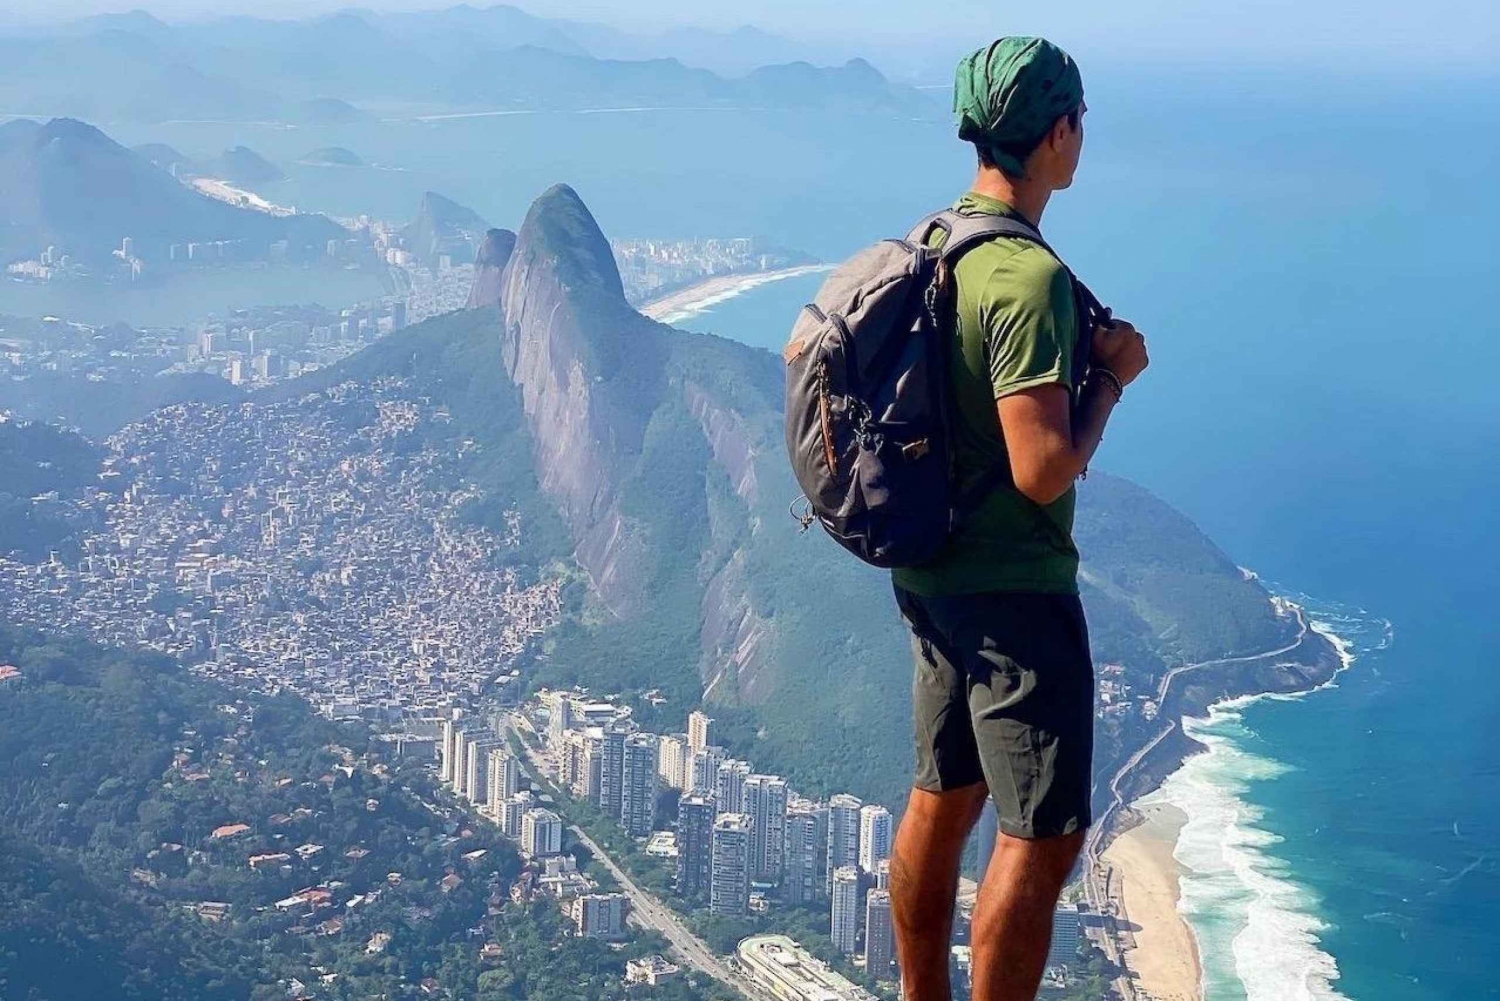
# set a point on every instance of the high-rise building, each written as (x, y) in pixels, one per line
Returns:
(559, 716)
(729, 888)
(695, 832)
(611, 770)
(585, 755)
(700, 730)
(671, 761)
(801, 857)
(600, 915)
(447, 731)
(729, 785)
(510, 775)
(880, 939)
(875, 831)
(504, 779)
(476, 771)
(509, 812)
(1065, 934)
(477, 758)
(460, 761)
(638, 785)
(541, 833)
(843, 834)
(765, 801)
(845, 916)
(883, 874)
(703, 770)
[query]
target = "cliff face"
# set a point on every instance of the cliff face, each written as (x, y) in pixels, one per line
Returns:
(591, 371)
(664, 452)
(489, 268)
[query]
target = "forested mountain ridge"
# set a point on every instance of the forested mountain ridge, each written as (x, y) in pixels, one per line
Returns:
(164, 838)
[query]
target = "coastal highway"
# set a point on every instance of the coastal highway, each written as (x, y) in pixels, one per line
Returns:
(1094, 846)
(1097, 884)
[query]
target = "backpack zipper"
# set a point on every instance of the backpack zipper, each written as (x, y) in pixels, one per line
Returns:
(825, 420)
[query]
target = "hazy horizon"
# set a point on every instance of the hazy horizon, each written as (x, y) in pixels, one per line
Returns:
(1454, 37)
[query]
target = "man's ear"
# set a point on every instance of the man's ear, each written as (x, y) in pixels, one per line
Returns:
(1061, 130)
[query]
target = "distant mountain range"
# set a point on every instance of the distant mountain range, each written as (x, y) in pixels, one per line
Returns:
(66, 183)
(321, 69)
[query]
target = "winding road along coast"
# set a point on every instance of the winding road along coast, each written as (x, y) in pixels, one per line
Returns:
(1094, 846)
(1102, 883)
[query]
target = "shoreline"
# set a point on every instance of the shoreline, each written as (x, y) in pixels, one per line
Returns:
(684, 303)
(1157, 943)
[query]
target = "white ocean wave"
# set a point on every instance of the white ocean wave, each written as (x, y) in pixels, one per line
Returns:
(1258, 929)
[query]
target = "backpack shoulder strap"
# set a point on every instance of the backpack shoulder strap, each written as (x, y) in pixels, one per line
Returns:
(964, 232)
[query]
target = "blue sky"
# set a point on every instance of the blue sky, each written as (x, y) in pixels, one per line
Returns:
(1375, 34)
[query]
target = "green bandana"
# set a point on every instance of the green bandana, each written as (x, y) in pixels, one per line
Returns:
(1010, 93)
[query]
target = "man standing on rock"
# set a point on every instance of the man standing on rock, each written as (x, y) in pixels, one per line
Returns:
(1004, 684)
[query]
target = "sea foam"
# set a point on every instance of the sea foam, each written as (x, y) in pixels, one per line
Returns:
(1258, 929)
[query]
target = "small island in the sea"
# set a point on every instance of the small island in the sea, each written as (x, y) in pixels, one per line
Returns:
(332, 156)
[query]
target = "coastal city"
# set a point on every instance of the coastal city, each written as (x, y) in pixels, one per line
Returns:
(325, 544)
(734, 842)
(484, 513)
(303, 546)
(261, 345)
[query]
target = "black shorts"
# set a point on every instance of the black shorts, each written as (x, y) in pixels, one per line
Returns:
(1004, 694)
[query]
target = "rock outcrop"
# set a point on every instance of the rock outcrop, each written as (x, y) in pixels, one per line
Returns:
(489, 268)
(591, 372)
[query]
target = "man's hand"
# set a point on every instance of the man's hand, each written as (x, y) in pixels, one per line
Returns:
(1121, 349)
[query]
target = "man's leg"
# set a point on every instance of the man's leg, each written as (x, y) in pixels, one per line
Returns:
(1013, 917)
(924, 883)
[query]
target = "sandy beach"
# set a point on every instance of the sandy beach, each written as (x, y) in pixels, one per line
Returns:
(1164, 954)
(677, 306)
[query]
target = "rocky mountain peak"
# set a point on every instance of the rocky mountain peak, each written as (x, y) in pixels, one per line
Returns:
(560, 228)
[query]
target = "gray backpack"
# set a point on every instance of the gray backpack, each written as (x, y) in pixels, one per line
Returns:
(868, 409)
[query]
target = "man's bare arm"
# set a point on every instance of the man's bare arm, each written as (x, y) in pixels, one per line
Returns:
(1049, 443)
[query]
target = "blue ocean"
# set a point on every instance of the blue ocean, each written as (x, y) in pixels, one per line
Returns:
(1314, 261)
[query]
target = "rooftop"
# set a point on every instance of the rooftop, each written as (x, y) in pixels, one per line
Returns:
(790, 971)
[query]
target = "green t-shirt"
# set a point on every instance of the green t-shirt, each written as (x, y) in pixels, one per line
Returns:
(1017, 327)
